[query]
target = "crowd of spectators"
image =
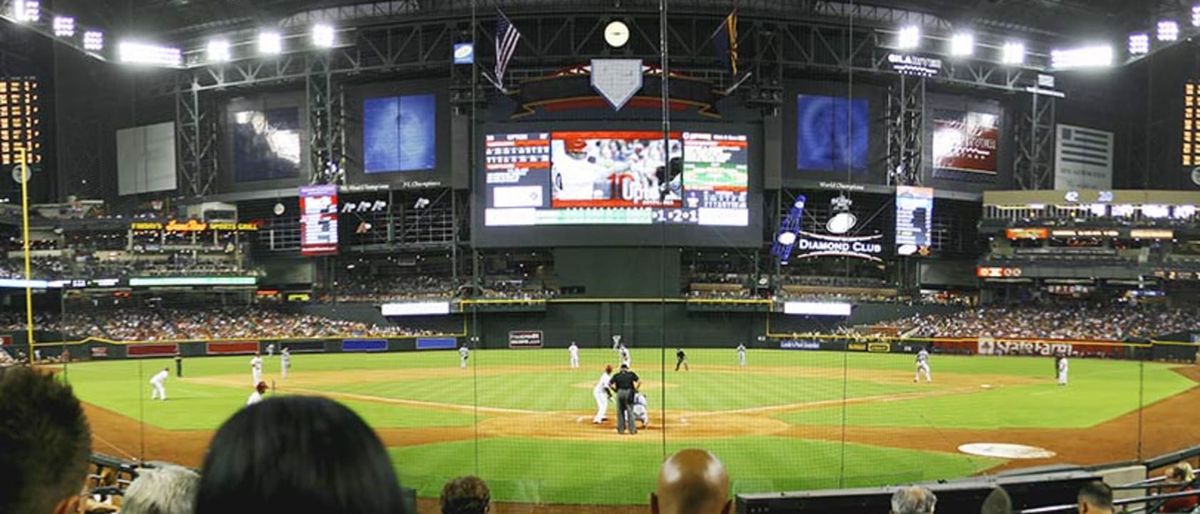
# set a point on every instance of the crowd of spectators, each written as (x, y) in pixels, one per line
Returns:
(376, 289)
(1114, 321)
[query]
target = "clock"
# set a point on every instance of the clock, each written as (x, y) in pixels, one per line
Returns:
(616, 34)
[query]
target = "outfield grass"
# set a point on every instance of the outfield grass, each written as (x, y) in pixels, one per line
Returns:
(606, 471)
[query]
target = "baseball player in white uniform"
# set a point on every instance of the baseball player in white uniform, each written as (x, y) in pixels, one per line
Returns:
(256, 369)
(158, 392)
(741, 351)
(922, 366)
(602, 393)
(256, 395)
(270, 349)
(1062, 371)
(574, 351)
(641, 410)
(463, 354)
(285, 362)
(626, 359)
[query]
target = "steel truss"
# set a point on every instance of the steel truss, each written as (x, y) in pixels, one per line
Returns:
(196, 141)
(326, 116)
(1033, 164)
(906, 131)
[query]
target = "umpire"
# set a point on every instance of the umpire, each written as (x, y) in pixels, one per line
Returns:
(626, 383)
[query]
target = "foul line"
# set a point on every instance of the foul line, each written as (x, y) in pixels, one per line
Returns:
(415, 403)
(826, 403)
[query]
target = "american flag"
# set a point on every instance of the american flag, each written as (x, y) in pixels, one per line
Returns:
(507, 37)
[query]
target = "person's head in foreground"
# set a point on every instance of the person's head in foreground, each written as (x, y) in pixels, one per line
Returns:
(165, 489)
(692, 482)
(44, 444)
(998, 502)
(261, 388)
(1095, 498)
(297, 454)
(466, 495)
(913, 500)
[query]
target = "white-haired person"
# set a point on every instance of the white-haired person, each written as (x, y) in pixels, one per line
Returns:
(913, 500)
(162, 489)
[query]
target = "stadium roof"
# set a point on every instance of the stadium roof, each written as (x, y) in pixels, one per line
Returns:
(1050, 20)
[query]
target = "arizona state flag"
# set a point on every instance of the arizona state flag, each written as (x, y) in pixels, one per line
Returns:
(726, 42)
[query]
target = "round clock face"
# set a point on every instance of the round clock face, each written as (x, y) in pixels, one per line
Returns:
(616, 34)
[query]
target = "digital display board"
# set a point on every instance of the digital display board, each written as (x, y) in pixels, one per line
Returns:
(616, 178)
(266, 144)
(914, 220)
(966, 142)
(399, 133)
(831, 133)
(20, 120)
(318, 220)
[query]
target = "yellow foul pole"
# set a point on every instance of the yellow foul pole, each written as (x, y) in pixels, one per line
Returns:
(25, 244)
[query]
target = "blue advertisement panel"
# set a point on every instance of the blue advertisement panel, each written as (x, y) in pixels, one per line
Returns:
(364, 345)
(437, 343)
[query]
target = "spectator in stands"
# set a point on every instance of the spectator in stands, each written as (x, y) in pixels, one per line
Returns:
(164, 489)
(913, 500)
(297, 454)
(1095, 498)
(466, 495)
(997, 502)
(1179, 478)
(45, 443)
(692, 482)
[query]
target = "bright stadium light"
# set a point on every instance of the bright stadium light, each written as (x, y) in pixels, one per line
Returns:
(1097, 56)
(909, 38)
(143, 53)
(93, 41)
(217, 50)
(27, 11)
(1013, 53)
(1139, 44)
(1168, 30)
(322, 35)
(1196, 16)
(64, 26)
(962, 44)
(270, 43)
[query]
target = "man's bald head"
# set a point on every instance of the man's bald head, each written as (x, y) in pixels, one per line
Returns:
(692, 482)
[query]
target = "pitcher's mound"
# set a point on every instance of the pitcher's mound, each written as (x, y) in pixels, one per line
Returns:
(1006, 451)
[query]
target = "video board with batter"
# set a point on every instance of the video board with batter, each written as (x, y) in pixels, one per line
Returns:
(616, 178)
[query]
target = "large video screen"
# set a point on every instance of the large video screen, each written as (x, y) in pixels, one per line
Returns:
(399, 133)
(832, 133)
(616, 178)
(266, 144)
(966, 142)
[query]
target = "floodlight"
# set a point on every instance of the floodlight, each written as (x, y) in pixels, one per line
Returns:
(270, 42)
(1139, 44)
(1013, 53)
(1196, 16)
(93, 41)
(144, 53)
(27, 11)
(64, 26)
(1168, 30)
(909, 38)
(962, 44)
(1082, 57)
(322, 35)
(218, 50)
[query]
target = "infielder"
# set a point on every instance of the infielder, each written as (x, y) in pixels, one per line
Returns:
(602, 393)
(270, 349)
(463, 354)
(641, 411)
(256, 395)
(1062, 370)
(741, 351)
(256, 369)
(158, 392)
(681, 360)
(626, 359)
(285, 362)
(574, 351)
(922, 366)
(616, 343)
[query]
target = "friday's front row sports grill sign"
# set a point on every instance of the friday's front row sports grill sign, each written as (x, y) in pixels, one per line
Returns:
(525, 339)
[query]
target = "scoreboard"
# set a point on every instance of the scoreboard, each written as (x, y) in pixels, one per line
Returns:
(914, 220)
(318, 220)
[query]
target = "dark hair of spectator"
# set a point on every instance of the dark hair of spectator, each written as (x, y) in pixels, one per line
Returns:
(1096, 493)
(297, 454)
(45, 442)
(997, 502)
(466, 495)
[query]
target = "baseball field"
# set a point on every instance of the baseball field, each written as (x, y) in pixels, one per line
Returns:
(789, 420)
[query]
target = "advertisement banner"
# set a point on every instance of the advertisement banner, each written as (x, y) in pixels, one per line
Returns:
(966, 143)
(437, 343)
(525, 339)
(99, 352)
(364, 345)
(794, 344)
(5, 340)
(152, 350)
(1048, 347)
(231, 347)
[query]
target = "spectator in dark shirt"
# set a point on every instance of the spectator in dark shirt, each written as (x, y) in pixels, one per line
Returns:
(626, 384)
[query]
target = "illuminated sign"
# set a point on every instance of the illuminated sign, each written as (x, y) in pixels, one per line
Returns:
(1084, 233)
(415, 308)
(188, 226)
(1144, 233)
(1027, 233)
(146, 226)
(318, 220)
(997, 272)
(817, 308)
(915, 65)
(914, 220)
(192, 281)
